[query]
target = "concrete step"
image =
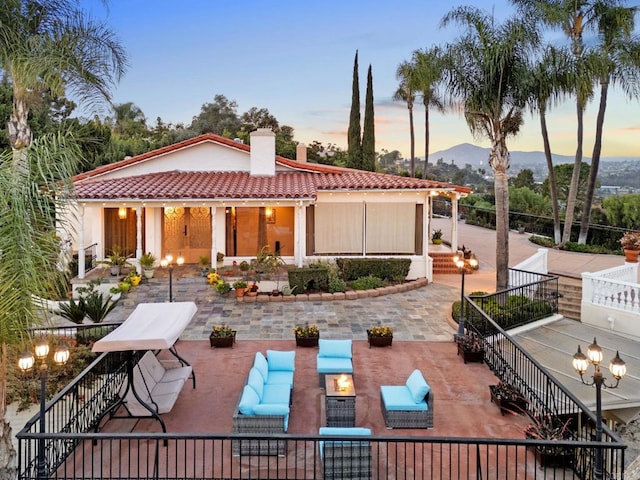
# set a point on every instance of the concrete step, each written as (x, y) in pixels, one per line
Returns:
(570, 303)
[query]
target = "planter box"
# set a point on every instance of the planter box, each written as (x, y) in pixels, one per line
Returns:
(469, 356)
(222, 342)
(554, 458)
(518, 406)
(379, 341)
(308, 342)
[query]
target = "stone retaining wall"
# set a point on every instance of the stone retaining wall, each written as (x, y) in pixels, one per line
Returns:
(349, 295)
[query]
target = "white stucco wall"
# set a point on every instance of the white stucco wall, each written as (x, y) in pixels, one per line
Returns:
(626, 323)
(206, 156)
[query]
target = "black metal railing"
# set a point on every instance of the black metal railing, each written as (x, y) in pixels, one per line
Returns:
(534, 297)
(205, 456)
(545, 395)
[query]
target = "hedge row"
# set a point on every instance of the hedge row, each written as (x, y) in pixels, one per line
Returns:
(392, 269)
(303, 279)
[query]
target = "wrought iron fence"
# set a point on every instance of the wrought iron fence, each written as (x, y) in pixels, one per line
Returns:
(546, 397)
(202, 456)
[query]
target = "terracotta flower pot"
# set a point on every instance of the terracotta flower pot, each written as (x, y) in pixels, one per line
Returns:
(631, 256)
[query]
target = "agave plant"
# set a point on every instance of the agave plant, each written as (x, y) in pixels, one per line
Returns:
(73, 311)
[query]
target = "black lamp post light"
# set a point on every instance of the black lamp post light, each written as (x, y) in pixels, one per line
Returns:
(617, 368)
(167, 262)
(462, 268)
(26, 363)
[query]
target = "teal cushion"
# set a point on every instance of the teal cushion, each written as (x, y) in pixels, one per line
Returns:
(256, 382)
(248, 401)
(335, 348)
(281, 361)
(334, 365)
(344, 431)
(276, 394)
(271, 409)
(280, 378)
(418, 386)
(260, 363)
(398, 397)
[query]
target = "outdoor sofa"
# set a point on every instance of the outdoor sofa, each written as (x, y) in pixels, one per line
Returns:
(264, 407)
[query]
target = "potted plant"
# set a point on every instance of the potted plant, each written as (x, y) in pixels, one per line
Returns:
(380, 336)
(239, 286)
(222, 336)
(508, 398)
(219, 259)
(470, 347)
(252, 290)
(269, 263)
(545, 426)
(244, 267)
(203, 261)
(436, 237)
(222, 287)
(133, 278)
(117, 260)
(147, 262)
(306, 335)
(630, 242)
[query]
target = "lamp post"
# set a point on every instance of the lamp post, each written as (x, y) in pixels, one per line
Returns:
(25, 363)
(167, 262)
(462, 268)
(617, 368)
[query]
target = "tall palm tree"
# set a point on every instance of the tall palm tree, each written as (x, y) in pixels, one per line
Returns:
(573, 17)
(53, 45)
(618, 62)
(486, 74)
(405, 93)
(426, 81)
(45, 45)
(550, 77)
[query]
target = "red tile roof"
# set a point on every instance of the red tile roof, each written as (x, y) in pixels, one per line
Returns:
(305, 181)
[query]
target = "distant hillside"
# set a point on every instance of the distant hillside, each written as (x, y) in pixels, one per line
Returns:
(465, 153)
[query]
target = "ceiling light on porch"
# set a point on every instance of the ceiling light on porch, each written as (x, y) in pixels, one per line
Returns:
(122, 213)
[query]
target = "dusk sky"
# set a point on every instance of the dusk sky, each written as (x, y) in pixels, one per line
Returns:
(295, 58)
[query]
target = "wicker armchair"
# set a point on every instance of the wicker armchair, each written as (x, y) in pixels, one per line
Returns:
(346, 459)
(409, 405)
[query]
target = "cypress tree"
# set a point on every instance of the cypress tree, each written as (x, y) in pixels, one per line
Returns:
(368, 133)
(354, 158)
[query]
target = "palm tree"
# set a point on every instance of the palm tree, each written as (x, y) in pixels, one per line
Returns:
(426, 81)
(46, 45)
(405, 93)
(573, 17)
(618, 62)
(550, 81)
(486, 74)
(52, 45)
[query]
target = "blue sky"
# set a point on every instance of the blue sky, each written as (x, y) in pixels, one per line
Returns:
(295, 58)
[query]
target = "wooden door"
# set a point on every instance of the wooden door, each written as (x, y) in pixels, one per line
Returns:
(187, 232)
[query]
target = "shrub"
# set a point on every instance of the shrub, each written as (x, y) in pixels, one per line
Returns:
(306, 278)
(73, 311)
(336, 284)
(367, 283)
(392, 269)
(98, 306)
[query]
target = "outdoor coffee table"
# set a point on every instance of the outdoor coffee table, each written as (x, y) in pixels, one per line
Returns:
(340, 403)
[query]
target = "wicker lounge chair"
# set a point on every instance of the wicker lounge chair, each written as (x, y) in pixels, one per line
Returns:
(346, 459)
(409, 405)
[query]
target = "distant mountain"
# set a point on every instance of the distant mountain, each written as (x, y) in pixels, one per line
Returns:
(465, 153)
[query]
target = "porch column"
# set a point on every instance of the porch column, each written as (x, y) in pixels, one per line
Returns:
(426, 215)
(454, 223)
(138, 232)
(214, 252)
(299, 235)
(81, 264)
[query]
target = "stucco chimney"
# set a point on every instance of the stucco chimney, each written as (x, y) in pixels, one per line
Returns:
(263, 152)
(301, 153)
